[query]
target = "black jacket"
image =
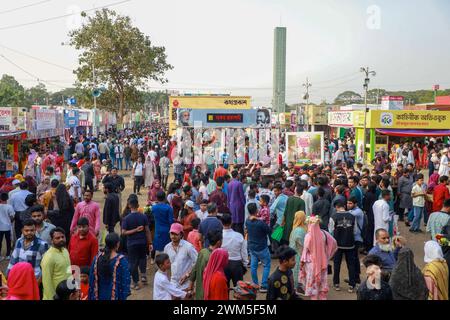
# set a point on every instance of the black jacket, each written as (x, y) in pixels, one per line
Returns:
(344, 230)
(111, 214)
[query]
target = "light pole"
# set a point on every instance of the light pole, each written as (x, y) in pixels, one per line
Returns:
(367, 73)
(307, 85)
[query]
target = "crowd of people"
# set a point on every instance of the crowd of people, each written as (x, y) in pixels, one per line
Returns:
(208, 225)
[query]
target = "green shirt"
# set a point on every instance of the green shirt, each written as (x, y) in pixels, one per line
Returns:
(55, 267)
(197, 272)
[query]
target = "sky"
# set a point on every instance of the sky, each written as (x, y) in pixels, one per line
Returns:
(226, 46)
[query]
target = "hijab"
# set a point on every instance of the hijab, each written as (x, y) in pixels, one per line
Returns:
(216, 263)
(314, 244)
(433, 181)
(407, 281)
(154, 190)
(436, 269)
(299, 220)
(22, 283)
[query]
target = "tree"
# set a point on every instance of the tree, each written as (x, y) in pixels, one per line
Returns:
(123, 57)
(37, 95)
(348, 97)
(12, 94)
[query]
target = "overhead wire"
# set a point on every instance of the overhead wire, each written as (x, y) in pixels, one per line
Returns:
(25, 6)
(29, 73)
(61, 16)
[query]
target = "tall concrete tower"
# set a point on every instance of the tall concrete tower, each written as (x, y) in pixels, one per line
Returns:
(279, 70)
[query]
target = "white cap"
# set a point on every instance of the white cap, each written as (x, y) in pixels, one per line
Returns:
(15, 181)
(304, 177)
(190, 204)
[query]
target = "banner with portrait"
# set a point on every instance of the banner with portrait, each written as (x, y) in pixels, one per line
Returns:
(215, 118)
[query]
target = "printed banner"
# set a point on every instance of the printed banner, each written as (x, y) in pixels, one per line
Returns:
(12, 119)
(213, 118)
(45, 119)
(305, 147)
(71, 118)
(409, 119)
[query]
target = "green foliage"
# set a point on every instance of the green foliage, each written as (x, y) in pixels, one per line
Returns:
(348, 97)
(12, 94)
(37, 95)
(123, 56)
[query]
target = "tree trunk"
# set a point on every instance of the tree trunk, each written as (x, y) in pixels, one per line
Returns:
(121, 107)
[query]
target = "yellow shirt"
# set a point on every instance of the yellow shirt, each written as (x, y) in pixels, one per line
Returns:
(55, 267)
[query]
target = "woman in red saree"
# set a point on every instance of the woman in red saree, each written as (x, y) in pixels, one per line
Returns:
(22, 284)
(215, 286)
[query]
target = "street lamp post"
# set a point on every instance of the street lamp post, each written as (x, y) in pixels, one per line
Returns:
(367, 73)
(307, 85)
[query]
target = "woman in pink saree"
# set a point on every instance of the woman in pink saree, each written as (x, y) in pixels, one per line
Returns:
(319, 247)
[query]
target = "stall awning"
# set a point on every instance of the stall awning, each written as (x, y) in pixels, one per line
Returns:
(413, 132)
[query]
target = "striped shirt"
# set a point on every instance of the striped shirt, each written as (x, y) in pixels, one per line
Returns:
(32, 254)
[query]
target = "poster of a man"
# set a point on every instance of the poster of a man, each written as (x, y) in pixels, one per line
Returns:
(263, 117)
(184, 118)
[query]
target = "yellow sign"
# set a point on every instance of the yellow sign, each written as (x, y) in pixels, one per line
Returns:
(408, 119)
(317, 115)
(203, 102)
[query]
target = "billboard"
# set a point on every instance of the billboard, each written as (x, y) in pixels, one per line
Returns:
(204, 102)
(12, 119)
(215, 118)
(45, 119)
(417, 119)
(346, 118)
(305, 147)
(71, 118)
(392, 102)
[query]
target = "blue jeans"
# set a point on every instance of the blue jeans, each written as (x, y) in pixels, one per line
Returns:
(411, 215)
(128, 164)
(418, 212)
(264, 257)
(119, 163)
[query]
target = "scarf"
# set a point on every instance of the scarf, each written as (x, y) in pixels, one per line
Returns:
(438, 271)
(216, 263)
(314, 243)
(433, 181)
(436, 268)
(153, 190)
(22, 283)
(407, 281)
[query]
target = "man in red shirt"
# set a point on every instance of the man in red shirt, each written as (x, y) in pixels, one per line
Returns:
(220, 172)
(440, 194)
(83, 246)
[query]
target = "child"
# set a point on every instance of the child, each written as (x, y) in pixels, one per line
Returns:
(163, 289)
(374, 288)
(84, 283)
(264, 212)
(194, 235)
(281, 281)
(202, 213)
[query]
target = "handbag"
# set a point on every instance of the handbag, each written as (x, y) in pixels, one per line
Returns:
(277, 234)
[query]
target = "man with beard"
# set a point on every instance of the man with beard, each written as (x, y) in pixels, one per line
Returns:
(43, 228)
(29, 248)
(55, 264)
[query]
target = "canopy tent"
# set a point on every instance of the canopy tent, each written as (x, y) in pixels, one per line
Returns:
(413, 132)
